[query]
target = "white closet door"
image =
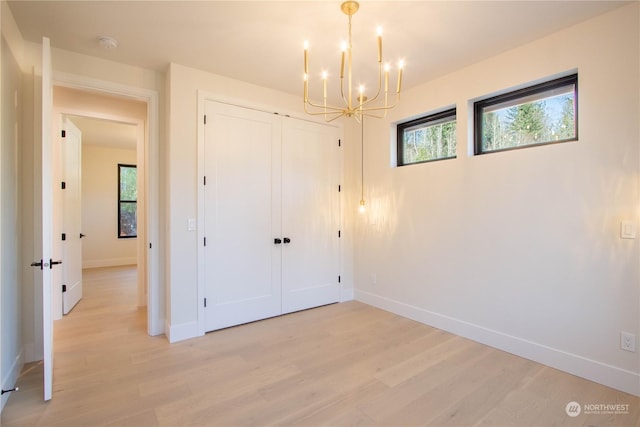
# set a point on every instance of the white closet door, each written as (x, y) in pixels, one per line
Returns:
(242, 215)
(310, 210)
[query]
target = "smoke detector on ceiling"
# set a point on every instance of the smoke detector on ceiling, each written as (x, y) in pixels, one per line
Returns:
(107, 42)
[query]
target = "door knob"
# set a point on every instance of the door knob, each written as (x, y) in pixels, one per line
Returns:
(52, 263)
(82, 235)
(277, 241)
(287, 240)
(37, 264)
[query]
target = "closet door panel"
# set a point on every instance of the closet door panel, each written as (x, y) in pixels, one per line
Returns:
(242, 215)
(310, 209)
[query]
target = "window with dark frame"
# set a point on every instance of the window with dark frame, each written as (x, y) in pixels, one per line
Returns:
(127, 201)
(427, 138)
(545, 113)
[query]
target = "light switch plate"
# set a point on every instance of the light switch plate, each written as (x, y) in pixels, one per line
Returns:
(627, 230)
(191, 224)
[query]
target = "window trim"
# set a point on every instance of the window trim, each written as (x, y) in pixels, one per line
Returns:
(434, 119)
(120, 201)
(480, 105)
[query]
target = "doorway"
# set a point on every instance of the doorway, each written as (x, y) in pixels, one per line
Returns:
(113, 131)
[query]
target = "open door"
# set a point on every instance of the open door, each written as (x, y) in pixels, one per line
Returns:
(72, 215)
(43, 208)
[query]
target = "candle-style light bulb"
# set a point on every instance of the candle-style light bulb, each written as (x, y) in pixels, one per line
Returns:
(362, 207)
(400, 67)
(379, 45)
(324, 86)
(343, 48)
(306, 57)
(387, 67)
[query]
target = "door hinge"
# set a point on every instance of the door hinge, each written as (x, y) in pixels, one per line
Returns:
(64, 288)
(64, 236)
(339, 188)
(64, 133)
(64, 185)
(339, 143)
(205, 303)
(149, 245)
(205, 119)
(204, 180)
(339, 278)
(205, 241)
(339, 234)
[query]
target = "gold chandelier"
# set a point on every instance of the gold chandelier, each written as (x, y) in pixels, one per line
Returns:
(362, 105)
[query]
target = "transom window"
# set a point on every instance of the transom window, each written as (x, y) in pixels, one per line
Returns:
(427, 138)
(542, 114)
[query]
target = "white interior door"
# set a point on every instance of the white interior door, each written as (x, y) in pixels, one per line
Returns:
(310, 209)
(45, 203)
(242, 216)
(72, 215)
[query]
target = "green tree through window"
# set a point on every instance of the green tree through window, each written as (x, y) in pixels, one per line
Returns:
(427, 138)
(539, 114)
(127, 201)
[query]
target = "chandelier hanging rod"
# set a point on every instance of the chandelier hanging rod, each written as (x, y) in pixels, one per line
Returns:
(364, 106)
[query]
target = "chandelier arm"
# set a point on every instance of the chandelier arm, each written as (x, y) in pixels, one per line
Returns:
(349, 88)
(385, 108)
(322, 106)
(366, 114)
(372, 100)
(337, 114)
(308, 101)
(342, 92)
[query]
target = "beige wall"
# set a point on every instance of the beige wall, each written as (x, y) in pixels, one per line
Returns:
(95, 105)
(101, 247)
(521, 249)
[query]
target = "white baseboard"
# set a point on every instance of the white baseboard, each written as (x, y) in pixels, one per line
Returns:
(346, 294)
(33, 352)
(10, 378)
(157, 327)
(181, 332)
(109, 262)
(610, 376)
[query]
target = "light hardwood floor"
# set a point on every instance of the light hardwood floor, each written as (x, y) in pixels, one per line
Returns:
(343, 364)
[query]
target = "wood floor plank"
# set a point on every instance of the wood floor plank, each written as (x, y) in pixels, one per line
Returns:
(343, 364)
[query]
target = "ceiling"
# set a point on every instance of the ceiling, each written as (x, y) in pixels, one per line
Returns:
(106, 133)
(261, 41)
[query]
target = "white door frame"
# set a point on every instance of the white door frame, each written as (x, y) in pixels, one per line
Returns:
(149, 148)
